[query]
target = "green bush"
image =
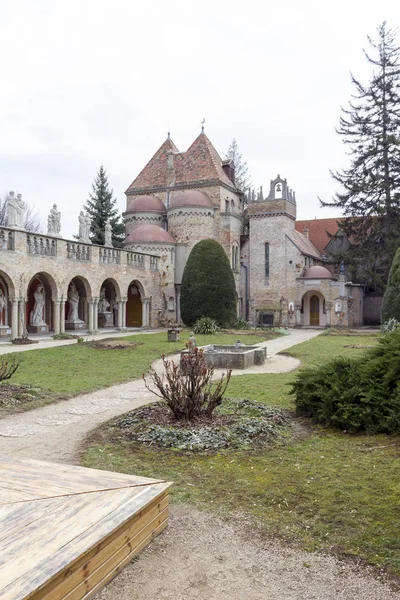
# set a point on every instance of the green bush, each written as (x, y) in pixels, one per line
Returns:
(205, 326)
(241, 324)
(208, 287)
(356, 394)
(391, 298)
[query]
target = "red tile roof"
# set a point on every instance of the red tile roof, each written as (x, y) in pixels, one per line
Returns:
(303, 244)
(201, 162)
(319, 230)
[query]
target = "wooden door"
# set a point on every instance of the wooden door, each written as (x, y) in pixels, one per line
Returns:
(314, 310)
(133, 308)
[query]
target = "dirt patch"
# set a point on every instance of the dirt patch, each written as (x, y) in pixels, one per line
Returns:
(200, 556)
(358, 346)
(113, 344)
(16, 396)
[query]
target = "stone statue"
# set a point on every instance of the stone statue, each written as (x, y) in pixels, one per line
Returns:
(108, 234)
(3, 304)
(12, 216)
(54, 221)
(37, 314)
(73, 300)
(104, 304)
(20, 211)
(192, 344)
(84, 227)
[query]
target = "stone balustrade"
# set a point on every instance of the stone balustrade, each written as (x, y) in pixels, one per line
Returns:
(135, 259)
(78, 251)
(41, 245)
(6, 239)
(110, 255)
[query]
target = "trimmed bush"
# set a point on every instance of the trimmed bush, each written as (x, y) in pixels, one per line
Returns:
(205, 326)
(208, 287)
(359, 395)
(391, 298)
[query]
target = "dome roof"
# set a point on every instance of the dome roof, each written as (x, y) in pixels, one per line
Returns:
(317, 272)
(149, 234)
(190, 198)
(145, 204)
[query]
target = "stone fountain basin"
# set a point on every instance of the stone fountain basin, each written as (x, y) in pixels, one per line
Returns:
(233, 357)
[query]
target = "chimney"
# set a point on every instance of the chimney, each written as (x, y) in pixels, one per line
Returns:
(170, 177)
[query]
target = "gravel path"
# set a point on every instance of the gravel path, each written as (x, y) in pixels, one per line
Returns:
(198, 556)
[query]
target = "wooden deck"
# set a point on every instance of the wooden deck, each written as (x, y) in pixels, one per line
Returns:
(66, 531)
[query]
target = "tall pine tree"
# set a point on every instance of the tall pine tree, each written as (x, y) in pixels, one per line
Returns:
(242, 178)
(370, 128)
(101, 207)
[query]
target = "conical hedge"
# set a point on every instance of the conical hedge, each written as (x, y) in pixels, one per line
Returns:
(391, 299)
(208, 287)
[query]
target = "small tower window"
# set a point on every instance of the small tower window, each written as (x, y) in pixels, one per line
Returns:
(266, 246)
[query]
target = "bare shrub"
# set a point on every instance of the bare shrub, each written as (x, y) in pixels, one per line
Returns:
(187, 388)
(7, 369)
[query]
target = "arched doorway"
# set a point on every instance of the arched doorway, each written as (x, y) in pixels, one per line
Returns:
(108, 305)
(77, 308)
(134, 310)
(314, 310)
(39, 313)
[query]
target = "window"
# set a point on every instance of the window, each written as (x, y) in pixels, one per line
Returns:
(235, 256)
(266, 260)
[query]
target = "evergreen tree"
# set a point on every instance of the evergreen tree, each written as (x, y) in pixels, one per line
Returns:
(101, 207)
(242, 178)
(208, 287)
(370, 128)
(391, 299)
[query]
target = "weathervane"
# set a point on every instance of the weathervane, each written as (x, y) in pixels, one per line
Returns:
(202, 125)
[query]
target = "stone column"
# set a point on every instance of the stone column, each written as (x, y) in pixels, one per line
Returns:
(328, 308)
(21, 317)
(14, 318)
(62, 316)
(90, 323)
(124, 301)
(56, 315)
(120, 303)
(95, 314)
(297, 308)
(144, 312)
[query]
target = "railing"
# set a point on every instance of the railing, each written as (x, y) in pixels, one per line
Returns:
(110, 255)
(6, 240)
(41, 246)
(135, 260)
(78, 251)
(153, 263)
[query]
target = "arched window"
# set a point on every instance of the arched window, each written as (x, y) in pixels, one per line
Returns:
(266, 245)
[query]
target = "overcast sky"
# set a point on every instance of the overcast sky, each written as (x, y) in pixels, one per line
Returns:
(92, 81)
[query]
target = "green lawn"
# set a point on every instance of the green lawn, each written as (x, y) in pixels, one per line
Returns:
(80, 368)
(326, 490)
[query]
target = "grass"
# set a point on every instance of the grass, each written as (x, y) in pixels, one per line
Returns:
(327, 491)
(80, 368)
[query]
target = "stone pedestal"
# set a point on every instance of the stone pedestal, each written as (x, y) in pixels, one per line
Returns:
(38, 328)
(106, 319)
(173, 335)
(74, 325)
(5, 330)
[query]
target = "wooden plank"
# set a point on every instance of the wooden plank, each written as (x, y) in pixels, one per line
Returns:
(67, 580)
(95, 581)
(36, 557)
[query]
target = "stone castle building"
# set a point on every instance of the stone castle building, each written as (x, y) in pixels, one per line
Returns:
(178, 199)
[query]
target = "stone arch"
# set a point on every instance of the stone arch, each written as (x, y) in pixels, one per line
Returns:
(313, 311)
(7, 290)
(39, 317)
(77, 312)
(134, 305)
(109, 295)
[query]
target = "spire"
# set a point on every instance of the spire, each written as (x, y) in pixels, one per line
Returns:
(202, 125)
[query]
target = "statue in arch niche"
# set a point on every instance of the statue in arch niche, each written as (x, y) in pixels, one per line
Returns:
(104, 305)
(37, 313)
(3, 305)
(73, 301)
